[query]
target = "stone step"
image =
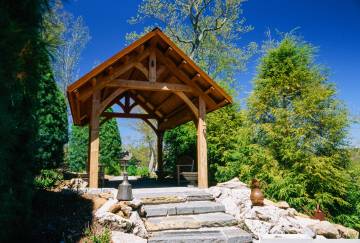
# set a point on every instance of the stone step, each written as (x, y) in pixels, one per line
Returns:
(192, 207)
(195, 221)
(203, 235)
(173, 197)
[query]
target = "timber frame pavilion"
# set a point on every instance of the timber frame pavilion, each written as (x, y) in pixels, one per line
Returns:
(156, 75)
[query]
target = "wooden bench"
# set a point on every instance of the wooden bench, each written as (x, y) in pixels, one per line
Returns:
(185, 168)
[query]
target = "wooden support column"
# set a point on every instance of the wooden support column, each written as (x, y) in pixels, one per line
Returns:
(93, 159)
(160, 136)
(202, 147)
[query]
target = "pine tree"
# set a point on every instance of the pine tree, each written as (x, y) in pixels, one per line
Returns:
(52, 122)
(296, 117)
(110, 147)
(22, 51)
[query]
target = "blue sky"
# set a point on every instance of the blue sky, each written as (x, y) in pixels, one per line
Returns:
(331, 25)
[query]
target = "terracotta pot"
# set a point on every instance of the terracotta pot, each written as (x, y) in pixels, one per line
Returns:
(318, 214)
(256, 196)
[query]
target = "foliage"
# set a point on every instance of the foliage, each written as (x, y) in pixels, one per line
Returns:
(110, 147)
(206, 30)
(47, 179)
(141, 171)
(177, 142)
(295, 116)
(103, 237)
(73, 35)
(22, 53)
(52, 122)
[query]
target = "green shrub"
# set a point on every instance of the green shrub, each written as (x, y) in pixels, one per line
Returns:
(143, 171)
(131, 170)
(47, 179)
(103, 237)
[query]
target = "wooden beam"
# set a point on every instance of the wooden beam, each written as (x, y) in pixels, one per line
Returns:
(152, 86)
(128, 115)
(109, 99)
(150, 125)
(175, 120)
(202, 147)
(93, 158)
(138, 100)
(160, 137)
(184, 77)
(189, 103)
(115, 74)
(142, 69)
(152, 67)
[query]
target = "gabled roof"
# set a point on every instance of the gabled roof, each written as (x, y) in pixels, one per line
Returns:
(173, 67)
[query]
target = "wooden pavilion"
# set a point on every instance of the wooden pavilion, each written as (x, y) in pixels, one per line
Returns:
(156, 75)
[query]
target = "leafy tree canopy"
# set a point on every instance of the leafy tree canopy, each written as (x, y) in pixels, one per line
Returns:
(110, 147)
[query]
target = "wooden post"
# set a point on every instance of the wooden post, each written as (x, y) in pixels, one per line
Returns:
(152, 67)
(160, 136)
(202, 147)
(93, 170)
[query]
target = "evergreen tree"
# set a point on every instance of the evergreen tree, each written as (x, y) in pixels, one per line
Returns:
(22, 53)
(52, 122)
(296, 117)
(110, 147)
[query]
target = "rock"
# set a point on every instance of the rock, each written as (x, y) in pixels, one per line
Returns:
(121, 237)
(98, 202)
(282, 204)
(266, 213)
(215, 191)
(139, 226)
(171, 223)
(77, 183)
(134, 204)
(105, 208)
(120, 213)
(290, 237)
(106, 195)
(347, 233)
(115, 222)
(116, 207)
(306, 221)
(326, 229)
(284, 226)
(121, 206)
(320, 237)
(233, 183)
(230, 207)
(268, 202)
(162, 199)
(257, 227)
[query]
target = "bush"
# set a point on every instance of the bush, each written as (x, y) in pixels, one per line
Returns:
(47, 179)
(131, 170)
(142, 171)
(103, 237)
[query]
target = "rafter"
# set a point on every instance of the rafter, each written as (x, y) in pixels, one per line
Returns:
(184, 77)
(189, 103)
(128, 115)
(152, 86)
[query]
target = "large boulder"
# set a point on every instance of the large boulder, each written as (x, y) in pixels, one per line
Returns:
(326, 229)
(257, 227)
(347, 233)
(233, 183)
(115, 222)
(105, 208)
(139, 226)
